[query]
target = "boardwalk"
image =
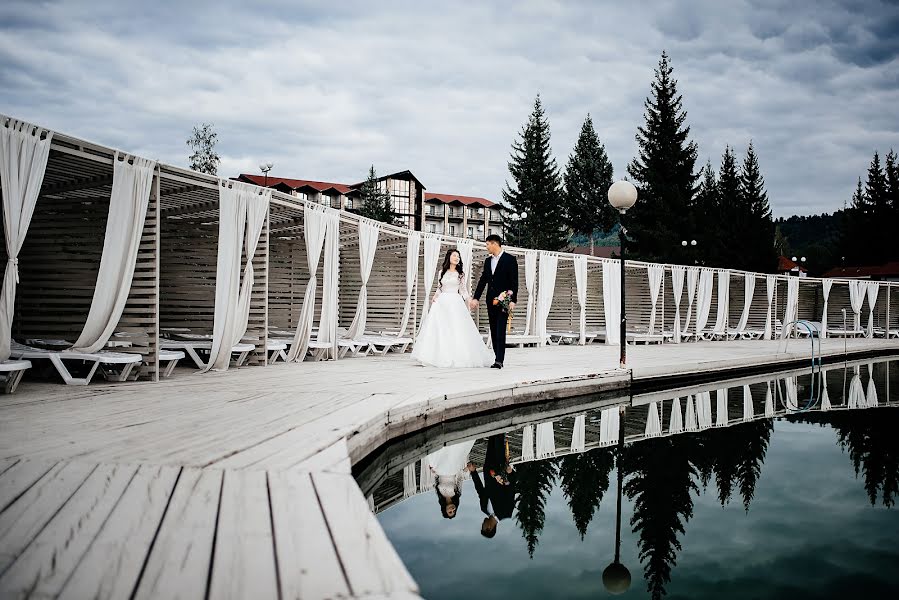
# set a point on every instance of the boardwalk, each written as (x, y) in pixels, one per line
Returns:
(238, 484)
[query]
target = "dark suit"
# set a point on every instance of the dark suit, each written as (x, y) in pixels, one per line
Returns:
(501, 498)
(504, 278)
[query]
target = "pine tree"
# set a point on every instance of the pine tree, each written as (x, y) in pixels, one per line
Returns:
(536, 187)
(202, 141)
(663, 172)
(759, 226)
(535, 482)
(588, 176)
(731, 226)
(376, 203)
(584, 481)
(891, 172)
(707, 231)
(858, 227)
(879, 236)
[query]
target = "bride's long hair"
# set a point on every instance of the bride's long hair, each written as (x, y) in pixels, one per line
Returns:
(444, 501)
(446, 264)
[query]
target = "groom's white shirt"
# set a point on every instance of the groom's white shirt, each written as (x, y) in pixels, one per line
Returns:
(494, 260)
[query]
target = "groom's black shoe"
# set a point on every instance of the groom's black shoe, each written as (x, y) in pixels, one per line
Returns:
(496, 365)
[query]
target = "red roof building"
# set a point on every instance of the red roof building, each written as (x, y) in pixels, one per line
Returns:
(885, 272)
(451, 214)
(785, 266)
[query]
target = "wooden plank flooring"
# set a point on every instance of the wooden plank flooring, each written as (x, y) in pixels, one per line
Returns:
(238, 484)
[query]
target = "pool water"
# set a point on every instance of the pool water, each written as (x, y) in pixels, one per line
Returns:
(795, 506)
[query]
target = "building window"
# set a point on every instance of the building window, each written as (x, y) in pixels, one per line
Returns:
(400, 191)
(471, 232)
(452, 230)
(432, 210)
(348, 204)
(432, 228)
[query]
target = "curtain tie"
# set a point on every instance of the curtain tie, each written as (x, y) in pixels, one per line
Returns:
(15, 267)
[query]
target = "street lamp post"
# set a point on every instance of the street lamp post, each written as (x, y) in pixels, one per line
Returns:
(691, 243)
(616, 577)
(265, 168)
(519, 218)
(622, 195)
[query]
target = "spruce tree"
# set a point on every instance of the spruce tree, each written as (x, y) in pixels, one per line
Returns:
(588, 176)
(891, 172)
(731, 226)
(536, 187)
(584, 481)
(759, 226)
(879, 236)
(858, 226)
(707, 231)
(663, 172)
(376, 203)
(534, 484)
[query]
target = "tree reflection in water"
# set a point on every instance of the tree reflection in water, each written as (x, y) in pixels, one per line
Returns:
(871, 440)
(584, 479)
(535, 482)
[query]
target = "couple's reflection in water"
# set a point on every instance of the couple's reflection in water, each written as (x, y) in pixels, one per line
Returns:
(661, 478)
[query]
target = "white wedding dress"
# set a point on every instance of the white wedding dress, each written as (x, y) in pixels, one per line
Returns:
(449, 338)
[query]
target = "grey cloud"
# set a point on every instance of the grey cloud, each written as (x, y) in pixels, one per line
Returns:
(323, 93)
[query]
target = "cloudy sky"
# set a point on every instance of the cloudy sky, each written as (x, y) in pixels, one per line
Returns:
(323, 89)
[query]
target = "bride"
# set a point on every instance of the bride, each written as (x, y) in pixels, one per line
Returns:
(448, 336)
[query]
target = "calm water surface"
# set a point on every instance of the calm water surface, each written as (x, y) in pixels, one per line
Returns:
(795, 506)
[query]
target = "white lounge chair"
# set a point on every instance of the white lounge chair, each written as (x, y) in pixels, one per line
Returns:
(11, 372)
(595, 335)
(115, 366)
(892, 333)
(195, 346)
(557, 338)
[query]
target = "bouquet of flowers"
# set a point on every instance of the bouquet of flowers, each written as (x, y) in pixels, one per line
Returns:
(503, 300)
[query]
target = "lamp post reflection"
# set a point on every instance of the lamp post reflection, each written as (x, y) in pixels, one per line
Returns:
(616, 578)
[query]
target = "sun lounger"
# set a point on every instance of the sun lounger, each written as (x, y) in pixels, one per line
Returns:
(563, 337)
(840, 332)
(115, 366)
(880, 331)
(11, 372)
(193, 347)
(634, 337)
(382, 344)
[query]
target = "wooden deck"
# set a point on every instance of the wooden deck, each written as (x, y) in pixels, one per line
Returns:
(238, 484)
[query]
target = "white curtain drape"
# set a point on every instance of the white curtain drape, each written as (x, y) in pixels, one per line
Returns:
(792, 306)
(704, 300)
(826, 284)
(327, 327)
(690, 415)
(242, 211)
(530, 282)
(856, 391)
(611, 301)
(655, 274)
(857, 300)
(466, 251)
(546, 440)
(368, 245)
(24, 149)
(872, 388)
(791, 393)
(873, 288)
(580, 279)
(579, 434)
(721, 407)
(825, 396)
(432, 256)
(609, 421)
(677, 286)
(769, 401)
(748, 409)
(314, 236)
(748, 291)
(704, 409)
(410, 486)
(676, 420)
(425, 475)
(771, 283)
(413, 248)
(527, 442)
(723, 302)
(653, 423)
(548, 264)
(128, 202)
(692, 280)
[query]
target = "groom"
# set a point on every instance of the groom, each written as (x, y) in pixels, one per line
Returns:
(500, 274)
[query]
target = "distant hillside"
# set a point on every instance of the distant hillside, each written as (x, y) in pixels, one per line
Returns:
(817, 237)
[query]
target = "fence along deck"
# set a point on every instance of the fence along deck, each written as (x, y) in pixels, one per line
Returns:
(174, 281)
